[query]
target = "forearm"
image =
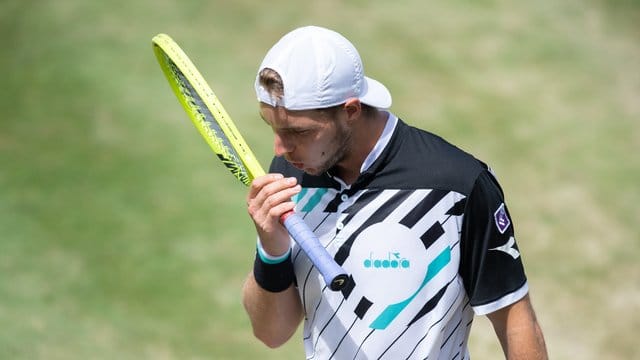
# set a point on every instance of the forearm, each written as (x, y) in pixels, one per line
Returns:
(526, 342)
(269, 296)
(519, 333)
(274, 316)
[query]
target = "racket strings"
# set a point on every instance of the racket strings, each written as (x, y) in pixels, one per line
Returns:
(225, 151)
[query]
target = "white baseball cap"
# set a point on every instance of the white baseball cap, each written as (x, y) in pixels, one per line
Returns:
(319, 69)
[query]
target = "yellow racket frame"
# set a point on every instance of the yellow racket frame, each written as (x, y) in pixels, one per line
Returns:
(247, 167)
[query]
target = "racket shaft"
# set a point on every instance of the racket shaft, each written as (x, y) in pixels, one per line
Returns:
(334, 276)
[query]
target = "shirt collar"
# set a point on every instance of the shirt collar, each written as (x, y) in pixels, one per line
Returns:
(382, 142)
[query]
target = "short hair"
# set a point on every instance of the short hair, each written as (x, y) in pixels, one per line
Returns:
(271, 81)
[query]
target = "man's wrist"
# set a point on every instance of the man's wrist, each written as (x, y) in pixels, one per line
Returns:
(271, 259)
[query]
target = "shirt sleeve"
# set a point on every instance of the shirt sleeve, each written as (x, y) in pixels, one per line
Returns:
(490, 264)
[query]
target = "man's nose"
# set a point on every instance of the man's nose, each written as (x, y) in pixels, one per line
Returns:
(281, 146)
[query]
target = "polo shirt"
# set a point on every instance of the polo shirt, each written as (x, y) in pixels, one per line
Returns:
(427, 240)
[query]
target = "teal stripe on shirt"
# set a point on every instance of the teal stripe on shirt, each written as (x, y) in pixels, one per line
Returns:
(314, 200)
(392, 311)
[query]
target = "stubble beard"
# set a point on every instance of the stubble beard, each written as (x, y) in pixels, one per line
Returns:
(342, 144)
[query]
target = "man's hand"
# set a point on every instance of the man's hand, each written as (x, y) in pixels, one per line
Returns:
(269, 198)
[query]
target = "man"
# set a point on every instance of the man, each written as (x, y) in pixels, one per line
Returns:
(420, 226)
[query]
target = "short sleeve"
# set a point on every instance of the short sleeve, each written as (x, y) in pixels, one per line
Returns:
(490, 266)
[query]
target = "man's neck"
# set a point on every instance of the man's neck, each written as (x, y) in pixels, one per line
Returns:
(366, 133)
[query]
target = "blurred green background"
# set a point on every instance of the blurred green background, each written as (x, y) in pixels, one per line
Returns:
(122, 237)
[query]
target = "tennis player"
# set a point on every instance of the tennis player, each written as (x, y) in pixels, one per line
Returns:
(421, 226)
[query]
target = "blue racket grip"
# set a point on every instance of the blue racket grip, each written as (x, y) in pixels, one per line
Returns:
(334, 275)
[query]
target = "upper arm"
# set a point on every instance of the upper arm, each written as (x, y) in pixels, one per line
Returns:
(490, 265)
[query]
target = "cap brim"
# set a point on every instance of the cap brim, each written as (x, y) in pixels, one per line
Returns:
(376, 94)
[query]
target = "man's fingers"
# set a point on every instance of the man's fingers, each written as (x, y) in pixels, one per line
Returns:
(268, 194)
(258, 183)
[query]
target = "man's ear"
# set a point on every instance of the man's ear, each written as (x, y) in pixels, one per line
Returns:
(353, 108)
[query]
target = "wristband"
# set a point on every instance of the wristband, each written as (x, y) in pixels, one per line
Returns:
(273, 277)
(270, 259)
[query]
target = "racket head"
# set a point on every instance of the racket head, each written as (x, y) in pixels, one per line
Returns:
(205, 110)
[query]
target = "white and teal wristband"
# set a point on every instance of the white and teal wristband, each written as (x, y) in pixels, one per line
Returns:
(270, 259)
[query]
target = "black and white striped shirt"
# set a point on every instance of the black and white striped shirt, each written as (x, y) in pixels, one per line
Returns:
(427, 240)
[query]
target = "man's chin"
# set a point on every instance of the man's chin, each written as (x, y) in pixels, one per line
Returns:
(312, 171)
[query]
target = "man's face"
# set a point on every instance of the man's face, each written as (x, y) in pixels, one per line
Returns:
(310, 140)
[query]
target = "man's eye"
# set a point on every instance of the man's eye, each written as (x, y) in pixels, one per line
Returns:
(300, 132)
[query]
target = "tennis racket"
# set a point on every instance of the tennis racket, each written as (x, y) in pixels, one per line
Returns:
(217, 128)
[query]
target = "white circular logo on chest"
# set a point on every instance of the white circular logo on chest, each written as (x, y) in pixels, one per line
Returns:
(389, 262)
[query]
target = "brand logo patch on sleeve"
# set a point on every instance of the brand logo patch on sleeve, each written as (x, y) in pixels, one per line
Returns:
(502, 219)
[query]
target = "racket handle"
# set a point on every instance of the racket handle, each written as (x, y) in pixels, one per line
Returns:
(334, 275)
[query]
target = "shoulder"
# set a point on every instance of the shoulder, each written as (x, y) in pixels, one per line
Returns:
(416, 158)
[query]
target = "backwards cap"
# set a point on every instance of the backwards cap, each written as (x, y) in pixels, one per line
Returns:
(319, 69)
